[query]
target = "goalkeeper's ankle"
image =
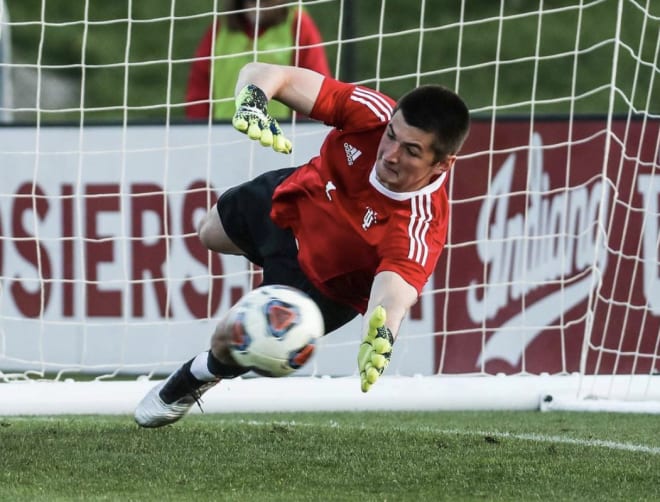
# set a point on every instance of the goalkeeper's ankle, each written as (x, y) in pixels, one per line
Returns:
(195, 374)
(180, 384)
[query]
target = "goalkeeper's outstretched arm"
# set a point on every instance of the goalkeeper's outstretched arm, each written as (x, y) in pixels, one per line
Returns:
(257, 84)
(296, 87)
(391, 298)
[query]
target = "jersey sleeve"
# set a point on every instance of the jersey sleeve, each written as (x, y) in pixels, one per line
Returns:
(351, 107)
(414, 246)
(411, 271)
(326, 107)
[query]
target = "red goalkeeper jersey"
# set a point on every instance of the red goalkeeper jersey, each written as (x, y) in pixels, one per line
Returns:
(348, 226)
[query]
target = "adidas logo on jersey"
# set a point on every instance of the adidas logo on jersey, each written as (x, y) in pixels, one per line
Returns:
(352, 153)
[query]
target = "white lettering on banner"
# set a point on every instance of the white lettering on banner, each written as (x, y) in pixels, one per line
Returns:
(104, 262)
(649, 186)
(100, 263)
(552, 239)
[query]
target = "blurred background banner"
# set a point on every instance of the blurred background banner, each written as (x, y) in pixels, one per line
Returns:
(103, 267)
(546, 254)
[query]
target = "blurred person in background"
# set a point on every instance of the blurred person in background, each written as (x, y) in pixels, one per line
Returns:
(226, 47)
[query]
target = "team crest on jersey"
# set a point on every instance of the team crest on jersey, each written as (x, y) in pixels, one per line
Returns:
(370, 217)
(352, 153)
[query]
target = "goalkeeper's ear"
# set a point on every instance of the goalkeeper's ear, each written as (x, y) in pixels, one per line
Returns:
(445, 165)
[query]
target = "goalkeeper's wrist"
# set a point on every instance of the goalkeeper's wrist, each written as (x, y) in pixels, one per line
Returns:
(251, 95)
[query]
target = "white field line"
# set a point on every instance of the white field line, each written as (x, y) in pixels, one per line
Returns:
(598, 443)
(594, 443)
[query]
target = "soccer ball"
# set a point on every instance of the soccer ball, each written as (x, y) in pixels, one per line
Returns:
(274, 329)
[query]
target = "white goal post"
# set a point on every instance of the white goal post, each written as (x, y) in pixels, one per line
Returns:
(547, 295)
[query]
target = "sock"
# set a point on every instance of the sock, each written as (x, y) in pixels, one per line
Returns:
(180, 383)
(201, 369)
(221, 370)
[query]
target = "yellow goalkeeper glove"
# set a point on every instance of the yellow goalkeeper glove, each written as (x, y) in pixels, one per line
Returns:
(375, 349)
(252, 118)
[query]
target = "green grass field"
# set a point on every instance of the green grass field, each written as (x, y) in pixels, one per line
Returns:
(334, 457)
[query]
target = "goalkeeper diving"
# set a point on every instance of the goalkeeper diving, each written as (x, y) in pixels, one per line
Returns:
(359, 228)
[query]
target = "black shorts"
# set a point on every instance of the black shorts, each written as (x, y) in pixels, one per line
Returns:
(245, 214)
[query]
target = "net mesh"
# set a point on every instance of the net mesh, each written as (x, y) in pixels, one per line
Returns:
(553, 258)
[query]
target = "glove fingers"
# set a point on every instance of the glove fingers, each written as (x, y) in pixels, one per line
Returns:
(372, 375)
(240, 123)
(364, 355)
(381, 346)
(252, 117)
(364, 385)
(377, 320)
(254, 130)
(375, 350)
(266, 138)
(379, 361)
(281, 144)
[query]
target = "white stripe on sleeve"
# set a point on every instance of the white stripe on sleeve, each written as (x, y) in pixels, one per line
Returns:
(374, 101)
(418, 227)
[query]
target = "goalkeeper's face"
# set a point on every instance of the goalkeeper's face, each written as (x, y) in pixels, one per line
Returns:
(406, 161)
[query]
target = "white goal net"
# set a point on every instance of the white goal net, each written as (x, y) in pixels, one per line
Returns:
(547, 293)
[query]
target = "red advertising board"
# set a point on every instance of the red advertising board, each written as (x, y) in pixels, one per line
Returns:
(553, 247)
(554, 233)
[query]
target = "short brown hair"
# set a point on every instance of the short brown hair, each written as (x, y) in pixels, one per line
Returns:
(434, 108)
